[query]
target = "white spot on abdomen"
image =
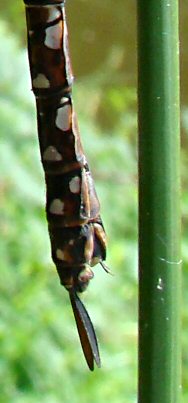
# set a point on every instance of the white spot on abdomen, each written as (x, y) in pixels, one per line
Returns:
(51, 154)
(63, 118)
(74, 185)
(60, 254)
(53, 36)
(56, 207)
(41, 81)
(53, 13)
(64, 99)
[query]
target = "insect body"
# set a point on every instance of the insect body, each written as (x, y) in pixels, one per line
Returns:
(76, 231)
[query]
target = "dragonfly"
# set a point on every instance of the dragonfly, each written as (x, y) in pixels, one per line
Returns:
(77, 235)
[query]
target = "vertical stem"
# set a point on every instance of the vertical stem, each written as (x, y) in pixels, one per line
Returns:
(159, 202)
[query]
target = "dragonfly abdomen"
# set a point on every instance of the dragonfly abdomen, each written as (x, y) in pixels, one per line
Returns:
(77, 235)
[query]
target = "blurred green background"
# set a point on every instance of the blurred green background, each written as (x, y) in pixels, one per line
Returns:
(40, 356)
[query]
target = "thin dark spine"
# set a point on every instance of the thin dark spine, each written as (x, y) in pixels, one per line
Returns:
(75, 227)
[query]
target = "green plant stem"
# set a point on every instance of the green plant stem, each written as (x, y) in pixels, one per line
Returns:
(159, 202)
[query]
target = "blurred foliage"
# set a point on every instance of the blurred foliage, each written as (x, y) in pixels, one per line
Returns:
(40, 357)
(14, 13)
